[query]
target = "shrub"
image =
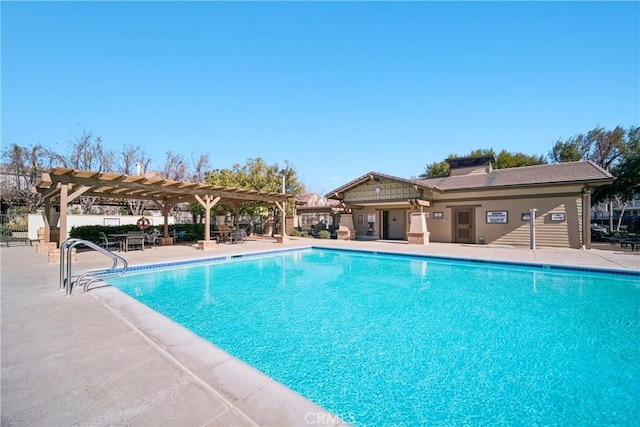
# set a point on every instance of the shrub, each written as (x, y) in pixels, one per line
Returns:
(324, 234)
(92, 232)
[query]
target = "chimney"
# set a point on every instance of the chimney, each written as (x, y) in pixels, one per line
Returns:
(470, 165)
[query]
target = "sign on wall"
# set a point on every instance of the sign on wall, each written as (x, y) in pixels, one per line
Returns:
(557, 217)
(112, 221)
(496, 217)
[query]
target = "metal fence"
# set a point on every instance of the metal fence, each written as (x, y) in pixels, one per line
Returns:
(14, 228)
(13, 223)
(604, 230)
(628, 223)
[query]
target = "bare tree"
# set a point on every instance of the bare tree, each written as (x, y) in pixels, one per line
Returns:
(20, 172)
(22, 169)
(88, 153)
(200, 167)
(130, 161)
(175, 168)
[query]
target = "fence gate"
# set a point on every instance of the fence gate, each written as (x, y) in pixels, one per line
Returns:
(14, 228)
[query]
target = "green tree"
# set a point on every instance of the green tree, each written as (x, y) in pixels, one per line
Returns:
(566, 151)
(258, 175)
(506, 160)
(616, 151)
(627, 169)
(436, 169)
(601, 146)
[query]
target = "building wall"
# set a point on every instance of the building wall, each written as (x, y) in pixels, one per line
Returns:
(363, 226)
(389, 191)
(549, 200)
(549, 232)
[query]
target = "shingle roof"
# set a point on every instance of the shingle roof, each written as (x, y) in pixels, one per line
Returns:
(556, 173)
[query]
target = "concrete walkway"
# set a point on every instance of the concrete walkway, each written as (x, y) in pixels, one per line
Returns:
(102, 358)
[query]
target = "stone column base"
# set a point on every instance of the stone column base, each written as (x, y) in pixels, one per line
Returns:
(418, 238)
(54, 256)
(45, 248)
(205, 245)
(165, 241)
(343, 234)
(346, 234)
(281, 239)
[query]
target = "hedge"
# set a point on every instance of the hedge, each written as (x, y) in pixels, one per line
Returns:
(92, 232)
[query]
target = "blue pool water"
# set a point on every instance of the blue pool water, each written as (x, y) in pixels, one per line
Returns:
(400, 340)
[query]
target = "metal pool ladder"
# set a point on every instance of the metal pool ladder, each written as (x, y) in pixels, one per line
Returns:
(68, 281)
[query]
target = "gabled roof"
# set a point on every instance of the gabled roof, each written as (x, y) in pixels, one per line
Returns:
(374, 175)
(549, 174)
(539, 175)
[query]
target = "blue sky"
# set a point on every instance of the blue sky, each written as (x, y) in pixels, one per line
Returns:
(336, 88)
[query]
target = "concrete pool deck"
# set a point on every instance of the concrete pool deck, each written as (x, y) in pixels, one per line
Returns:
(102, 358)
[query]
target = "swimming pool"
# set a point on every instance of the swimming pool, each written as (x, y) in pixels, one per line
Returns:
(405, 340)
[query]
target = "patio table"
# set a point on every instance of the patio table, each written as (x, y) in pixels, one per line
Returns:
(221, 235)
(124, 237)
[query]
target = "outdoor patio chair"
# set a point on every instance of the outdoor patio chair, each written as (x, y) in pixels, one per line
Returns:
(108, 243)
(152, 239)
(236, 236)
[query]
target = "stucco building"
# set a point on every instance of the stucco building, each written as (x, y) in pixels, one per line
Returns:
(476, 204)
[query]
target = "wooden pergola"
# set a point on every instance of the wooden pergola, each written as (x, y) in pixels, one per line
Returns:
(60, 186)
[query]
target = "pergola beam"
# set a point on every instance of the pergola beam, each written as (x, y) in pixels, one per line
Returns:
(58, 182)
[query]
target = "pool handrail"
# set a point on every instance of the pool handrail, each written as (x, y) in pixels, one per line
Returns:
(66, 277)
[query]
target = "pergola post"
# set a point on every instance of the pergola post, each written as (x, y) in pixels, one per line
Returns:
(207, 204)
(207, 219)
(45, 245)
(236, 216)
(64, 203)
(282, 237)
(47, 220)
(165, 239)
